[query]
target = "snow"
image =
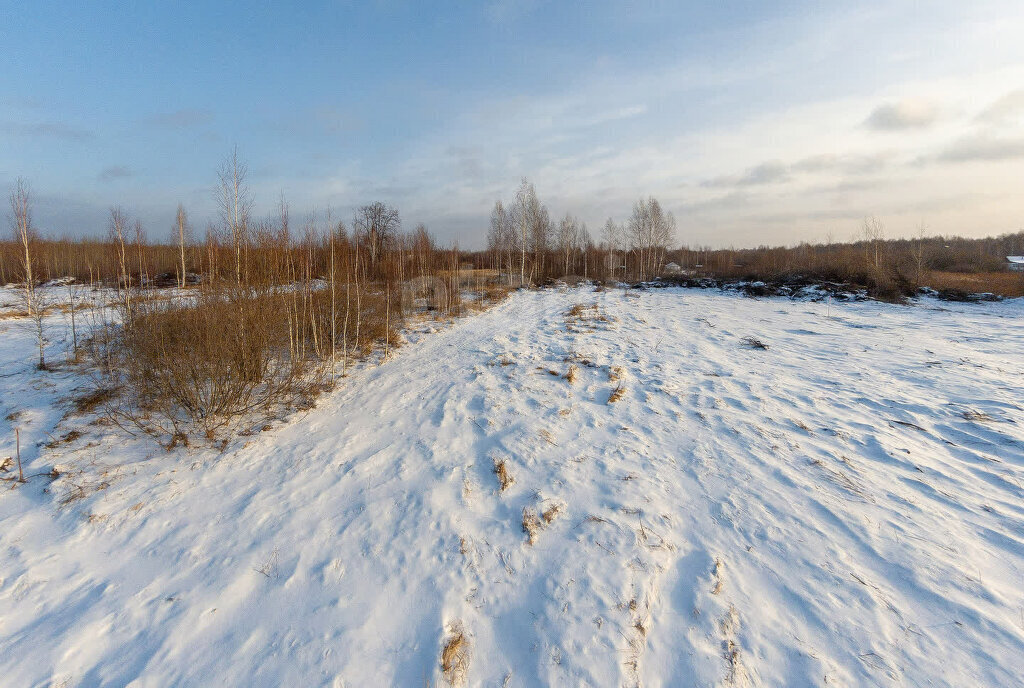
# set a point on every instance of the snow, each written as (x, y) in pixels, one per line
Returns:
(845, 507)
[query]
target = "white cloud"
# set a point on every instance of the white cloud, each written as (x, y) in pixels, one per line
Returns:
(983, 147)
(1009, 108)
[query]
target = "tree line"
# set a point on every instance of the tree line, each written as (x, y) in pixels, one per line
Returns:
(525, 246)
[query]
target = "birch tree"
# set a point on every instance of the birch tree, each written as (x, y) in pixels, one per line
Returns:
(613, 237)
(234, 200)
(25, 235)
(567, 239)
(182, 232)
(501, 238)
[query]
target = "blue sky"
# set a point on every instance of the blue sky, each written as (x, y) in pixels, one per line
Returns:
(754, 122)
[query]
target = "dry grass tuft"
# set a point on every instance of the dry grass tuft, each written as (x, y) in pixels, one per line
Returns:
(505, 478)
(615, 373)
(551, 513)
(754, 343)
(531, 525)
(576, 357)
(92, 400)
(616, 394)
(572, 374)
(579, 310)
(455, 656)
(67, 438)
(717, 573)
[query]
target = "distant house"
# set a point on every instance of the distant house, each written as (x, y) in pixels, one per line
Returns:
(1016, 263)
(672, 269)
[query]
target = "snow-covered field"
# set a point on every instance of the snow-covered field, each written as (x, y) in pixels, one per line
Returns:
(843, 508)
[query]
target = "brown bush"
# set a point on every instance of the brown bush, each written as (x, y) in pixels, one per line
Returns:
(201, 363)
(1009, 284)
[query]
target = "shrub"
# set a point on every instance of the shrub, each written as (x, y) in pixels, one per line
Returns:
(201, 363)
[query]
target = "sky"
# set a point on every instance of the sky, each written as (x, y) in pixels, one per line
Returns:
(753, 122)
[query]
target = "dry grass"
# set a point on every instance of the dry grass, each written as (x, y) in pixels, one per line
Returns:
(717, 574)
(579, 310)
(615, 373)
(66, 438)
(455, 656)
(531, 525)
(572, 374)
(1009, 284)
(585, 318)
(92, 400)
(576, 357)
(505, 478)
(551, 513)
(754, 343)
(616, 394)
(493, 293)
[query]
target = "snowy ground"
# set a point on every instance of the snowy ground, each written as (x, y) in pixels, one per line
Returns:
(844, 508)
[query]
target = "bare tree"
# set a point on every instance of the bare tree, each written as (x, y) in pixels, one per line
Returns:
(377, 224)
(663, 233)
(531, 220)
(922, 230)
(586, 244)
(614, 237)
(423, 249)
(35, 304)
(650, 230)
(72, 296)
(526, 198)
(567, 239)
(540, 237)
(183, 235)
(118, 230)
(874, 233)
(235, 203)
(501, 239)
(140, 244)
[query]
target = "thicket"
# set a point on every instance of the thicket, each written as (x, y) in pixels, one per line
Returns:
(890, 269)
(526, 246)
(262, 317)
